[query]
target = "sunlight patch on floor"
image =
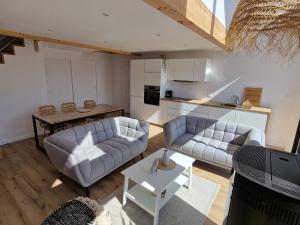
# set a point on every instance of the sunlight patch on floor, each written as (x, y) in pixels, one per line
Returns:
(56, 183)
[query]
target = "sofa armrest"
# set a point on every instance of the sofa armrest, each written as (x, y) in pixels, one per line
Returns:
(71, 164)
(144, 127)
(174, 129)
(63, 143)
(255, 137)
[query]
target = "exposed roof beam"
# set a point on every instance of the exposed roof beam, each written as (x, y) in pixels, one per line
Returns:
(195, 15)
(62, 42)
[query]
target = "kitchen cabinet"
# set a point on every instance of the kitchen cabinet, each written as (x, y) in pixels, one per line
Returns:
(144, 72)
(137, 107)
(152, 113)
(153, 65)
(258, 120)
(171, 109)
(170, 69)
(200, 69)
(152, 79)
(183, 69)
(192, 70)
(228, 115)
(137, 78)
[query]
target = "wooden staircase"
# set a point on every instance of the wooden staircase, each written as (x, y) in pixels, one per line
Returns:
(7, 46)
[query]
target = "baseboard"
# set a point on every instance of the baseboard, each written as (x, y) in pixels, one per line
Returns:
(14, 139)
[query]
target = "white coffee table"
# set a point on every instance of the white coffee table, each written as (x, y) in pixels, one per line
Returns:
(147, 191)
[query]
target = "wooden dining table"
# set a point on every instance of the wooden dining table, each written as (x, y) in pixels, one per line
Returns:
(60, 118)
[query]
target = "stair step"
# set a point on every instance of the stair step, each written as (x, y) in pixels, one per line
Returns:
(9, 50)
(1, 59)
(19, 42)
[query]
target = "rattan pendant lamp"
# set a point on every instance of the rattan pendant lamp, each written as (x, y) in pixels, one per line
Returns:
(266, 25)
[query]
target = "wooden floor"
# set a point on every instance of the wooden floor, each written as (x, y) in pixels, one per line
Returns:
(30, 187)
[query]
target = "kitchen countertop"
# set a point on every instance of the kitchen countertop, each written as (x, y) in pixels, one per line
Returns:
(207, 102)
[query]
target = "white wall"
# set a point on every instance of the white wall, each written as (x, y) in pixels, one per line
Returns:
(232, 73)
(23, 85)
(22, 89)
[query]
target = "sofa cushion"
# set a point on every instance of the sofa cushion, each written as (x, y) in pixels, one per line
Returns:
(112, 153)
(206, 148)
(218, 130)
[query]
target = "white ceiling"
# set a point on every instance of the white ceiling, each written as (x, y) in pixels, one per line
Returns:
(132, 25)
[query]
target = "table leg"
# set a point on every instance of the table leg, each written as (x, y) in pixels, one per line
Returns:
(51, 127)
(156, 210)
(36, 136)
(190, 177)
(125, 190)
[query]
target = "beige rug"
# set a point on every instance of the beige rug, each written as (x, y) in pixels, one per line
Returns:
(186, 207)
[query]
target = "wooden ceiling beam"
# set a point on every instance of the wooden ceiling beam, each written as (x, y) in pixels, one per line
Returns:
(62, 42)
(195, 15)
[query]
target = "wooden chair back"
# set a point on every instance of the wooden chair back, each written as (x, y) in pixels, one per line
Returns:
(89, 104)
(46, 110)
(68, 107)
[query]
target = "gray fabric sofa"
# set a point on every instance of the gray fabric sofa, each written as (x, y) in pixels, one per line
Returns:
(88, 152)
(208, 140)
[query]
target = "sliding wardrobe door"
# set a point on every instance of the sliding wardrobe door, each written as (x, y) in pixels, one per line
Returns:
(59, 81)
(84, 81)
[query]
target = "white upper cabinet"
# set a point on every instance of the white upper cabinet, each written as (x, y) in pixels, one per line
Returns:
(193, 70)
(170, 69)
(153, 65)
(137, 78)
(200, 69)
(152, 79)
(183, 69)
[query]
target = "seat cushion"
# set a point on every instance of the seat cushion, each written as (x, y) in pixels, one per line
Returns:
(112, 153)
(208, 149)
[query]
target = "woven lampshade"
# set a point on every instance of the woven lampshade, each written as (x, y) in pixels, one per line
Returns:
(266, 25)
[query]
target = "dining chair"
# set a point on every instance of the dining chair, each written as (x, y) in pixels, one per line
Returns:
(46, 110)
(89, 104)
(67, 107)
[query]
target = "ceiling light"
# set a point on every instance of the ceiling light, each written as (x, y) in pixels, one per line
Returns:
(157, 35)
(50, 30)
(105, 14)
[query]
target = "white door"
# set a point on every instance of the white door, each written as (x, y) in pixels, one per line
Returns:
(183, 69)
(137, 78)
(59, 81)
(84, 81)
(137, 107)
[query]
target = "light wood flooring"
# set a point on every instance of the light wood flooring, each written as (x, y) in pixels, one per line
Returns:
(31, 188)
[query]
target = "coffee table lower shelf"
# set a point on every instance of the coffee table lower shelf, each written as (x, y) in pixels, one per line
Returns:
(146, 199)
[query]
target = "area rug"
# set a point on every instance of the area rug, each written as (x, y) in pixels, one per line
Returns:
(186, 207)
